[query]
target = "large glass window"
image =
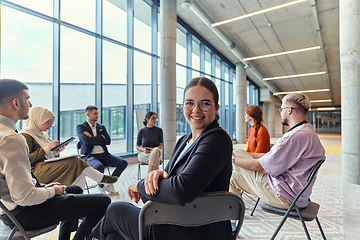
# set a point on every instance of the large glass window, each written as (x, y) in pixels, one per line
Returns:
(43, 6)
(180, 47)
(27, 41)
(142, 23)
(180, 86)
(195, 55)
(115, 95)
(80, 13)
(115, 20)
(207, 62)
(142, 85)
(26, 54)
(77, 79)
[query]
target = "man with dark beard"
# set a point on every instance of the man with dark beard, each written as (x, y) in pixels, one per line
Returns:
(278, 176)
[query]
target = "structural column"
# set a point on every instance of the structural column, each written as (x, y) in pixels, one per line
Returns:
(167, 113)
(240, 101)
(271, 119)
(265, 113)
(350, 76)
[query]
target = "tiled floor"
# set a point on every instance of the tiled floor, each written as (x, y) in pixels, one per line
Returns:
(338, 200)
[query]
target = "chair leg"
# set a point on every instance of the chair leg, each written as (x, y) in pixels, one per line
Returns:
(139, 172)
(257, 202)
(87, 187)
(21, 230)
(321, 230)
(281, 224)
(303, 223)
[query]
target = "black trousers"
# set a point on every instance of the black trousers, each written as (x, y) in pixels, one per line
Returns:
(67, 208)
(120, 222)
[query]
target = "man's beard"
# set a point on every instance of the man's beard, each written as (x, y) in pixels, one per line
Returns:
(285, 122)
(23, 113)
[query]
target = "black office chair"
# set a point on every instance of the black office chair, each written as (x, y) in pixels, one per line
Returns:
(18, 231)
(87, 187)
(162, 162)
(308, 213)
(205, 209)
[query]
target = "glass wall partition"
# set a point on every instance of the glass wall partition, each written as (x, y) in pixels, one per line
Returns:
(115, 20)
(26, 52)
(77, 80)
(114, 104)
(105, 54)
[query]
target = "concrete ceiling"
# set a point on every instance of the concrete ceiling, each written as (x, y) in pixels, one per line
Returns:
(306, 24)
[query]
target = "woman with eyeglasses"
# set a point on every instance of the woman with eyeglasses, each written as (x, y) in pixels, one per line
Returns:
(259, 138)
(149, 142)
(70, 171)
(200, 162)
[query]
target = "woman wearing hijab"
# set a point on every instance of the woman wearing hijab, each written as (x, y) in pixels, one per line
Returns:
(69, 171)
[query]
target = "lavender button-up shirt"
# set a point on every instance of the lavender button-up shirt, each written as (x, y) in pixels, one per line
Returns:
(288, 164)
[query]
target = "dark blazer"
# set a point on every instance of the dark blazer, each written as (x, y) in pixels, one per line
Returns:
(204, 167)
(87, 143)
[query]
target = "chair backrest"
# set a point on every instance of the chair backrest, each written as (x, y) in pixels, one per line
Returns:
(140, 114)
(207, 208)
(78, 146)
(27, 235)
(17, 227)
(313, 173)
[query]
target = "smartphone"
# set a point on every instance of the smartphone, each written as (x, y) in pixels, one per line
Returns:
(63, 144)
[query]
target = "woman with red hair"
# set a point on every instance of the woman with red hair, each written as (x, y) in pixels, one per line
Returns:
(259, 138)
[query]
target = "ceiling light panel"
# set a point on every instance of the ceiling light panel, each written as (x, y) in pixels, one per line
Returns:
(257, 12)
(293, 76)
(320, 101)
(282, 53)
(304, 91)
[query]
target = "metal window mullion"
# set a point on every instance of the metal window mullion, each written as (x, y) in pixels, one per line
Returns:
(222, 94)
(202, 60)
(188, 57)
(188, 65)
(130, 78)
(56, 69)
(154, 58)
(213, 67)
(98, 59)
(230, 111)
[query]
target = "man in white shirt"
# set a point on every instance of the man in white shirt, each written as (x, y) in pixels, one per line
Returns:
(33, 205)
(93, 140)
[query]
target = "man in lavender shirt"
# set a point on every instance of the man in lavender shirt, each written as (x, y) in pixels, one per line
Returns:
(279, 175)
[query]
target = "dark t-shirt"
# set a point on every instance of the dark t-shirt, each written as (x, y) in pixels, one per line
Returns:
(150, 137)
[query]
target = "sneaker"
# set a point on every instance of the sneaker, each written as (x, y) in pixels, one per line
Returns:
(102, 190)
(108, 180)
(111, 189)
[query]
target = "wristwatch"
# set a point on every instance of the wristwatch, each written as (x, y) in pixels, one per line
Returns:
(233, 159)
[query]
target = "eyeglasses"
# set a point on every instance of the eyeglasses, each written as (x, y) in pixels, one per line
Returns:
(280, 109)
(51, 124)
(204, 105)
(154, 118)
